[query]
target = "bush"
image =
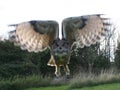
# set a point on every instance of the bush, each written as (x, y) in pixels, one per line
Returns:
(14, 61)
(18, 83)
(86, 79)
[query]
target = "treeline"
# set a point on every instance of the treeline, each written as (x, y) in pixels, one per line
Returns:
(14, 61)
(117, 57)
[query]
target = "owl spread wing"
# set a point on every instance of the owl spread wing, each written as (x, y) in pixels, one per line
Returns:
(85, 30)
(34, 36)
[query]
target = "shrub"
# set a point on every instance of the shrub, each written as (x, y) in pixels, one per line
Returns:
(86, 79)
(18, 83)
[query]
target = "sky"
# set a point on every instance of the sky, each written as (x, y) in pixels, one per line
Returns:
(16, 11)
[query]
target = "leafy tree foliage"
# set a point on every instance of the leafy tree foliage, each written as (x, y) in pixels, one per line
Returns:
(117, 57)
(14, 61)
(88, 59)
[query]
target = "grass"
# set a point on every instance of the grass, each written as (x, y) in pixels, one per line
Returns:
(114, 86)
(50, 88)
(80, 80)
(18, 83)
(84, 79)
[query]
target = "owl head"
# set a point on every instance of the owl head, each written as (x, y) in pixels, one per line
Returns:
(60, 47)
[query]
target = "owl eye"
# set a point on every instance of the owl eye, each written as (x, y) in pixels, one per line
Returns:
(56, 44)
(65, 44)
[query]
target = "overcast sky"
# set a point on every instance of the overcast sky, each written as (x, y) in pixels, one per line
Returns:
(16, 11)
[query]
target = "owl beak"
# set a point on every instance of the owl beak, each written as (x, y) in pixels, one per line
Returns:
(60, 48)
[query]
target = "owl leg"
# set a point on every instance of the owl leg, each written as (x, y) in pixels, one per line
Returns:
(67, 70)
(57, 71)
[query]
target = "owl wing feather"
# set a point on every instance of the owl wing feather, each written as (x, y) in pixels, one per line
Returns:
(85, 30)
(34, 36)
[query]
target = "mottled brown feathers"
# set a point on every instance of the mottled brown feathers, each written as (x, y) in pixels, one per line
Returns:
(36, 36)
(33, 40)
(92, 28)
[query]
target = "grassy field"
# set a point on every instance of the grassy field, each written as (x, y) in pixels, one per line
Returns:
(81, 81)
(50, 88)
(114, 86)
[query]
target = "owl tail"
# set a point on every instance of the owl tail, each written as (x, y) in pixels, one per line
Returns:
(51, 62)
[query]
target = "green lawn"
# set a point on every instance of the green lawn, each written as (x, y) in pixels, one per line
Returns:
(115, 86)
(50, 88)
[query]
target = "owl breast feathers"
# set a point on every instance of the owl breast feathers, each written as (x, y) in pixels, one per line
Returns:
(81, 31)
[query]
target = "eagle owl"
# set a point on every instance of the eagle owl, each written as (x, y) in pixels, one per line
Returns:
(81, 31)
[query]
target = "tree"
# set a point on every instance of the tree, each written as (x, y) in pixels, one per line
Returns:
(89, 59)
(14, 61)
(117, 57)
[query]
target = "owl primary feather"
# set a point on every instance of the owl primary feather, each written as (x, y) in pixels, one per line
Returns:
(81, 31)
